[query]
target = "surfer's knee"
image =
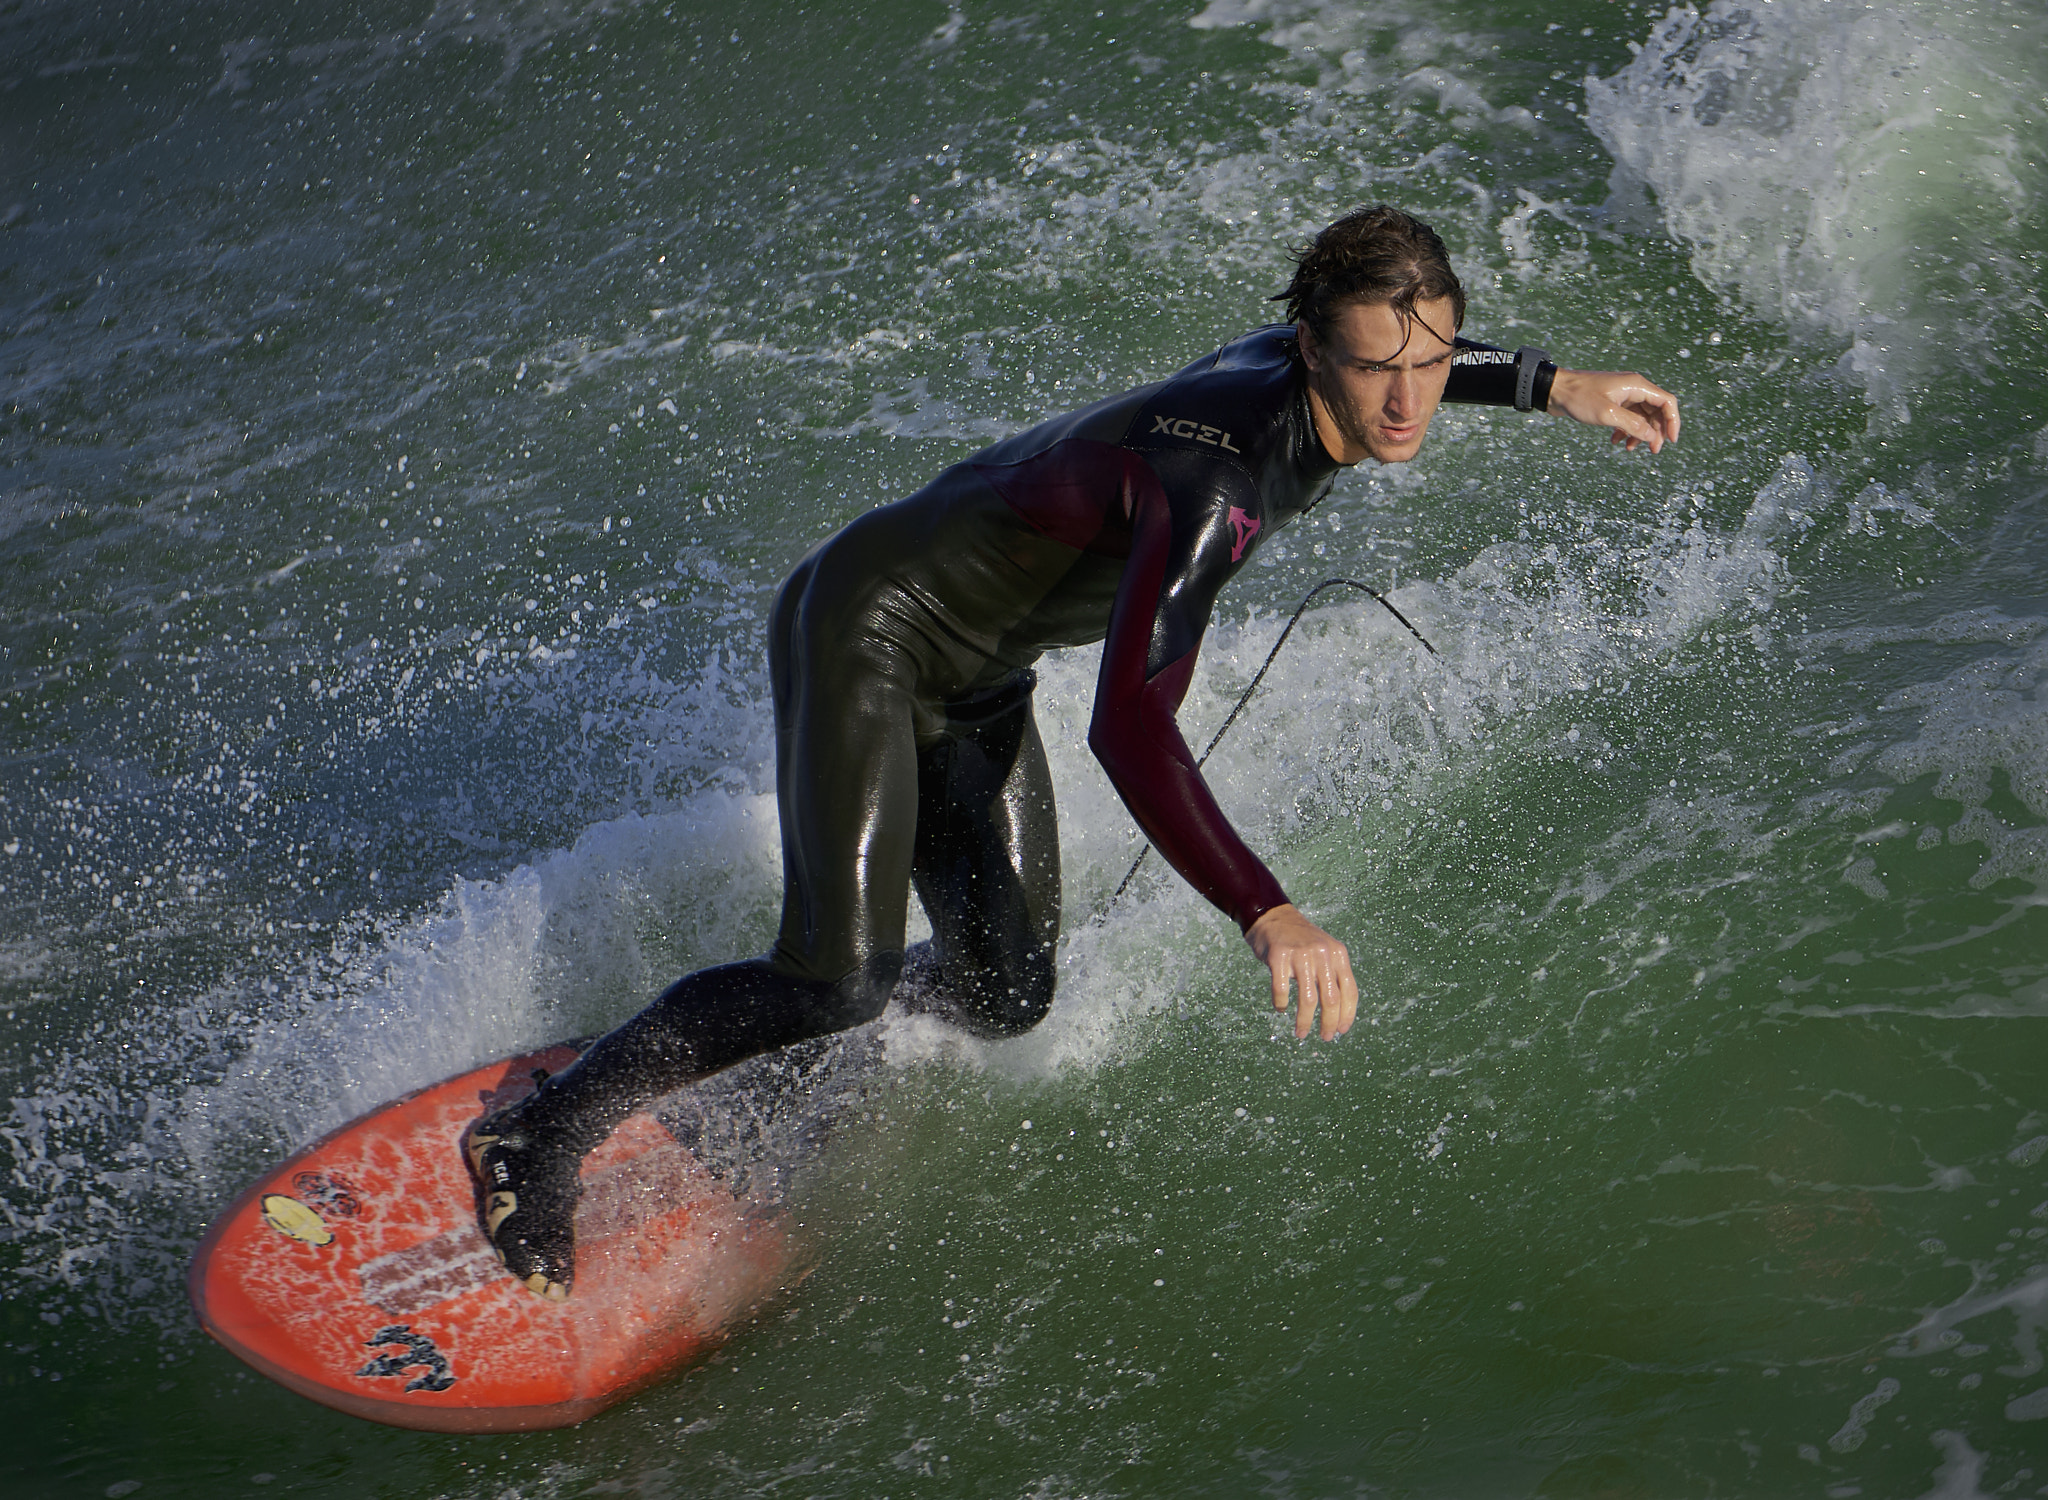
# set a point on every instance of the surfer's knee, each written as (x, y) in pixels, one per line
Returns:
(862, 995)
(1008, 1001)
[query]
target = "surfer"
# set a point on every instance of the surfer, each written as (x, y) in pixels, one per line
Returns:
(900, 652)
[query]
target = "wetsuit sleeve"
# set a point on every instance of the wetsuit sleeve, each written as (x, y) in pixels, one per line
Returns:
(1148, 658)
(1482, 375)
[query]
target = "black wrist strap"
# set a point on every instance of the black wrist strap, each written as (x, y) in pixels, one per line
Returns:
(1528, 360)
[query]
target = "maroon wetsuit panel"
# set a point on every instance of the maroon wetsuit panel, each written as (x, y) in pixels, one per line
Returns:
(1135, 733)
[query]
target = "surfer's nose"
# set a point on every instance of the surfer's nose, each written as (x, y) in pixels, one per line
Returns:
(1404, 395)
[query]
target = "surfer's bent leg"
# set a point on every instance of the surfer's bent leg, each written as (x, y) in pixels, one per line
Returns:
(847, 791)
(987, 865)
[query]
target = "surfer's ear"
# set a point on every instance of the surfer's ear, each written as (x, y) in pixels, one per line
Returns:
(1305, 340)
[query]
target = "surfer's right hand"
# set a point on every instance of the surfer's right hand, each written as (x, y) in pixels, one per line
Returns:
(1317, 966)
(1641, 412)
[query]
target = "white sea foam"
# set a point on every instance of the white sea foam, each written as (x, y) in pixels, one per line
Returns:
(1961, 1467)
(2025, 1299)
(1852, 1434)
(567, 945)
(1983, 720)
(1852, 169)
(1211, 209)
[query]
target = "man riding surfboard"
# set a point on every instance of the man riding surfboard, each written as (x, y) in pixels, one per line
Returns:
(900, 652)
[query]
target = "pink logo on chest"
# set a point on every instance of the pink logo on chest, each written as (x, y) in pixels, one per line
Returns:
(1244, 528)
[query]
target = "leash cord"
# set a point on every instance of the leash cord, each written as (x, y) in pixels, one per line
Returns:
(1260, 676)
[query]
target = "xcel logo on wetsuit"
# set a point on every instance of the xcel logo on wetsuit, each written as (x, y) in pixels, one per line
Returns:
(1200, 432)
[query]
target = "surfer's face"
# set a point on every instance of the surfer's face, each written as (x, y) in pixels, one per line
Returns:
(1375, 379)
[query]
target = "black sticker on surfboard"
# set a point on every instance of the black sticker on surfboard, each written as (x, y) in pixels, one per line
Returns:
(419, 1350)
(334, 1195)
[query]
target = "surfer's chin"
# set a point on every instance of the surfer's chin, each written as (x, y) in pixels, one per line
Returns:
(1396, 447)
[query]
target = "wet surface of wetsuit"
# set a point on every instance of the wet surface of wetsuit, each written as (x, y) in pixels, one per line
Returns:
(906, 753)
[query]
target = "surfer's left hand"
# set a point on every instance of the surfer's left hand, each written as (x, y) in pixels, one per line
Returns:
(1316, 964)
(1639, 411)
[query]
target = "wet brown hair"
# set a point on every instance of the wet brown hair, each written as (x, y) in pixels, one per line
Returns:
(1371, 255)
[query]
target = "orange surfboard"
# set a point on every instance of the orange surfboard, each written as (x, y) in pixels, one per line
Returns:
(355, 1273)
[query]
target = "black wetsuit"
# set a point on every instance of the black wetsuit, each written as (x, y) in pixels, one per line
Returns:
(906, 752)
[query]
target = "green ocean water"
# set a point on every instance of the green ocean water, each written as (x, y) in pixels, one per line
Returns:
(407, 412)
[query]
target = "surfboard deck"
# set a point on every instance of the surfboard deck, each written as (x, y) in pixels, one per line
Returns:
(355, 1273)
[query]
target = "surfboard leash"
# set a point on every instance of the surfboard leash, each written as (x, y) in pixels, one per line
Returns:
(1260, 676)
